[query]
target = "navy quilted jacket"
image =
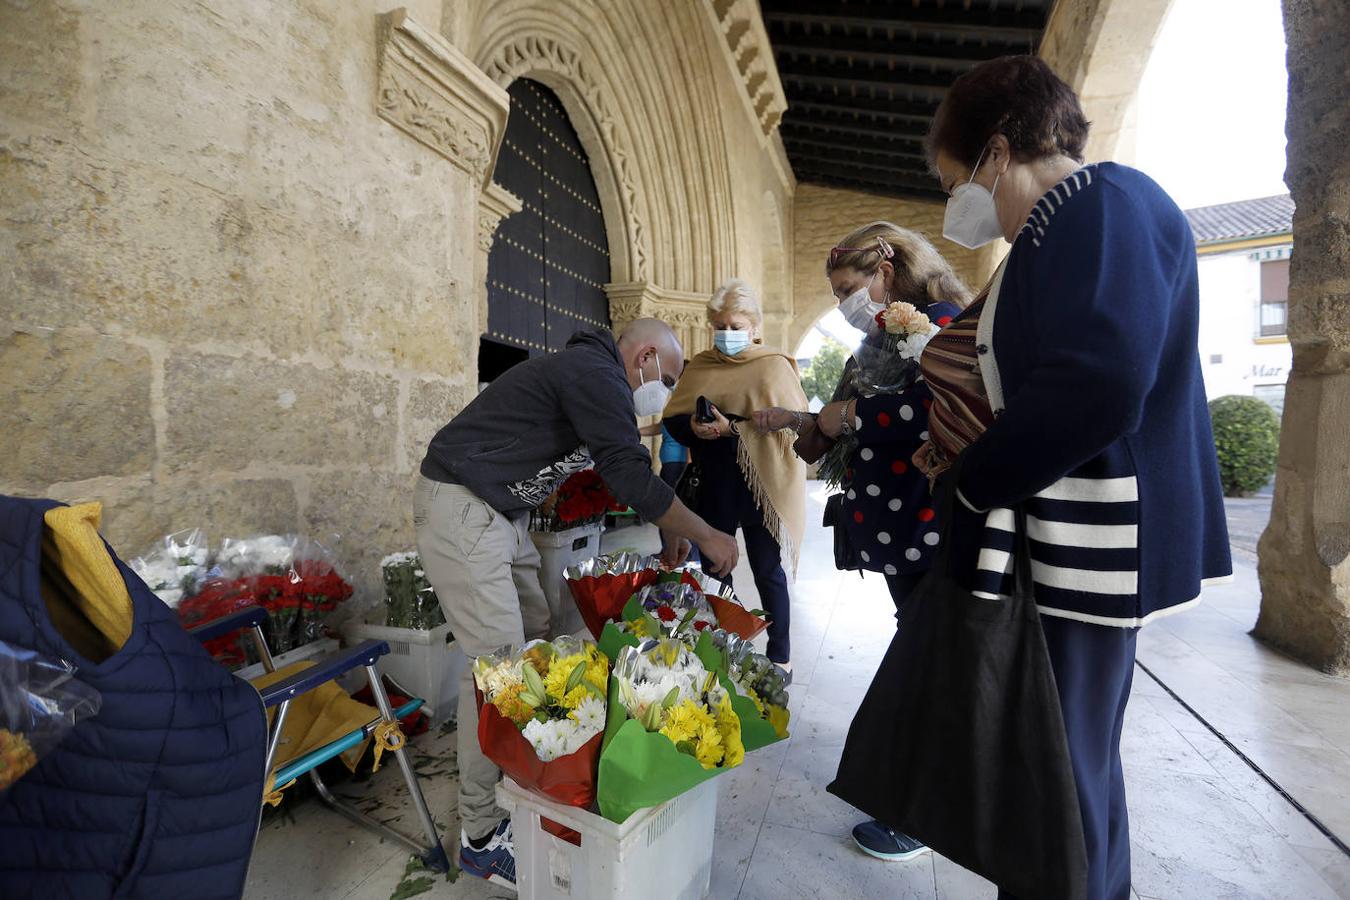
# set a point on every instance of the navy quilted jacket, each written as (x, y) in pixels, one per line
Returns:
(159, 794)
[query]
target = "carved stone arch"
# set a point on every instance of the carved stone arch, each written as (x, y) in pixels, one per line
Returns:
(552, 61)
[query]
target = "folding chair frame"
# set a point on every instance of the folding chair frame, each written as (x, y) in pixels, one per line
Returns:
(326, 669)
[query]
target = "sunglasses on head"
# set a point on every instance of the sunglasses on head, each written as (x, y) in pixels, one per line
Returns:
(838, 253)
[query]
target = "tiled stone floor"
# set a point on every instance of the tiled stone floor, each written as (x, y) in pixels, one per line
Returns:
(1204, 825)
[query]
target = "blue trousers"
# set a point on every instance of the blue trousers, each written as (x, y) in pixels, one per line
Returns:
(1094, 667)
(731, 507)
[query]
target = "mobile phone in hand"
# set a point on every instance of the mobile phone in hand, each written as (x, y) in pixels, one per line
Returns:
(703, 411)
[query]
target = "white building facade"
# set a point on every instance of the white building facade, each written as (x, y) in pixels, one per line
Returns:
(1244, 251)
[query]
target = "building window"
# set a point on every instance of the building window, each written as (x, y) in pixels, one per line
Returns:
(1273, 394)
(1274, 297)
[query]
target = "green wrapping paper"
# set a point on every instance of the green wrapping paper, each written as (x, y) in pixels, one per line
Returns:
(756, 732)
(639, 769)
(612, 640)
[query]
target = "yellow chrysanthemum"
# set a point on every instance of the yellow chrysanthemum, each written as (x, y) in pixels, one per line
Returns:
(509, 704)
(684, 722)
(708, 749)
(778, 718)
(560, 673)
(729, 728)
(759, 704)
(597, 667)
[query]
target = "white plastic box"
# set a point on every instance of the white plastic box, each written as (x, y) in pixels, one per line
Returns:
(661, 853)
(559, 550)
(427, 664)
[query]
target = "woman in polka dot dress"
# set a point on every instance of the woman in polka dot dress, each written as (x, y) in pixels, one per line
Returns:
(887, 506)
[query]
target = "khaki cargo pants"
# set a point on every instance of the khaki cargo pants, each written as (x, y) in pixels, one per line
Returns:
(485, 570)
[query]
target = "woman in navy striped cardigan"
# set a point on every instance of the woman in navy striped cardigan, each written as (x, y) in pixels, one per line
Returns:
(1073, 387)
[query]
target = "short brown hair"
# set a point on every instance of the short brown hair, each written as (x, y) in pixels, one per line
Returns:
(1019, 97)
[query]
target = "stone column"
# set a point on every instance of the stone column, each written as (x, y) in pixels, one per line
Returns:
(684, 311)
(1305, 552)
(495, 204)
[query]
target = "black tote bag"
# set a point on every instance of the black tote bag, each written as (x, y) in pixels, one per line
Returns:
(960, 740)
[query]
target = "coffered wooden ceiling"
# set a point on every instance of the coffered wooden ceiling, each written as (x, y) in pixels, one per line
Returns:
(863, 78)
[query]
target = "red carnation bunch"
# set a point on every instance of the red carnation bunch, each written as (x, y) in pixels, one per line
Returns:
(581, 500)
(297, 603)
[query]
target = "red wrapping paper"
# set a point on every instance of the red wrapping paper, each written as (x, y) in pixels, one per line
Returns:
(731, 616)
(601, 598)
(569, 779)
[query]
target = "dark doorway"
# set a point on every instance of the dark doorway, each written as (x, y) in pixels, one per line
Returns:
(550, 261)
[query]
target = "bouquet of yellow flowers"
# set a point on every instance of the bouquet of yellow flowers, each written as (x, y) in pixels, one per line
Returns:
(542, 713)
(671, 726)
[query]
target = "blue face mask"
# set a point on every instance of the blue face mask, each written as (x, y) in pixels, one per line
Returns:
(731, 342)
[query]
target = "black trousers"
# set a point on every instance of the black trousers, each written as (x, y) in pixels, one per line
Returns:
(729, 507)
(1094, 668)
(670, 474)
(901, 586)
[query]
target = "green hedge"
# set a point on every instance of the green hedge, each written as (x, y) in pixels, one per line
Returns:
(1247, 439)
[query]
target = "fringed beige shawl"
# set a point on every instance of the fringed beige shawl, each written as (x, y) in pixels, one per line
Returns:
(756, 378)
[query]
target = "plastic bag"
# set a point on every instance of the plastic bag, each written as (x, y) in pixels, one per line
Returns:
(409, 599)
(291, 576)
(41, 700)
(175, 568)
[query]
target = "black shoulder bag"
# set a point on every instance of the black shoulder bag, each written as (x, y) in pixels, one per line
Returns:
(845, 556)
(960, 740)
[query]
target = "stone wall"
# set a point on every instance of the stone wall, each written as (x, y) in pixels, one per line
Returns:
(823, 215)
(249, 240)
(1305, 552)
(234, 297)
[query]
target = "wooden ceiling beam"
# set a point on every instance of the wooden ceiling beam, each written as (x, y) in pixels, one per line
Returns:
(1020, 27)
(957, 54)
(795, 126)
(910, 77)
(823, 103)
(817, 116)
(911, 149)
(839, 162)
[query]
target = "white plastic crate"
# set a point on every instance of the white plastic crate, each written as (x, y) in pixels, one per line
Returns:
(559, 550)
(427, 664)
(661, 853)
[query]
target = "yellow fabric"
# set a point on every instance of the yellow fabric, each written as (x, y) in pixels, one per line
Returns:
(272, 796)
(754, 379)
(316, 718)
(388, 736)
(86, 596)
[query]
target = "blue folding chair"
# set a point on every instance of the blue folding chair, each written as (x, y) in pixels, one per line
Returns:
(326, 669)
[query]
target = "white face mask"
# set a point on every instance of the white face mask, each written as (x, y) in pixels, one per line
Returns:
(972, 218)
(859, 309)
(651, 396)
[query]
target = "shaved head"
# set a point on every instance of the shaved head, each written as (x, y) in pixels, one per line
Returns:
(649, 344)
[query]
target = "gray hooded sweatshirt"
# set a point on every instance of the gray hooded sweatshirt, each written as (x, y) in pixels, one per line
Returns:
(545, 419)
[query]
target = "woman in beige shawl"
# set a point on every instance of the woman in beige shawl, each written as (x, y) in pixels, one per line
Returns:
(747, 480)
